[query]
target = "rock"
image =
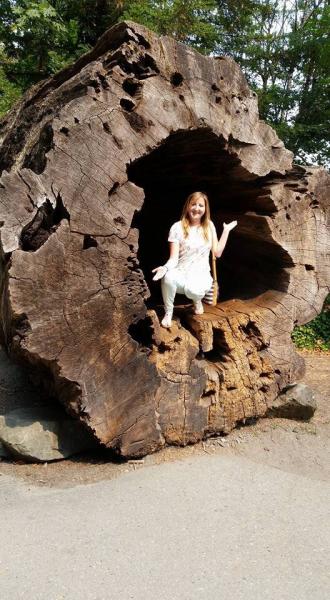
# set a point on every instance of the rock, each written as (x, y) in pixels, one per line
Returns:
(42, 434)
(297, 402)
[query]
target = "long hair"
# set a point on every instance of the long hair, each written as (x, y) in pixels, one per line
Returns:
(205, 220)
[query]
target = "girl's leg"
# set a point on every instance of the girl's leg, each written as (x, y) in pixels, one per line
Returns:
(197, 300)
(172, 283)
(169, 287)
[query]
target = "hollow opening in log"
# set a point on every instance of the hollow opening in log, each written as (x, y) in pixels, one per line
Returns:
(187, 161)
(46, 221)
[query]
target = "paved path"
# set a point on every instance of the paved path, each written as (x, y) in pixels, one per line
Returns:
(213, 527)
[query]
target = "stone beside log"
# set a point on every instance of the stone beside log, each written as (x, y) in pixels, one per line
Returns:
(40, 434)
(296, 402)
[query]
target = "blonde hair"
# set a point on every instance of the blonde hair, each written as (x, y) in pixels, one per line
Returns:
(205, 220)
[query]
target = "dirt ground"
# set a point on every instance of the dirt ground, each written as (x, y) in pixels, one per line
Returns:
(292, 446)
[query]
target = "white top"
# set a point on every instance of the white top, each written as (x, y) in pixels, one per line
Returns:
(194, 252)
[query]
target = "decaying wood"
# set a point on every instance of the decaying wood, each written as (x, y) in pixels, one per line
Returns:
(96, 163)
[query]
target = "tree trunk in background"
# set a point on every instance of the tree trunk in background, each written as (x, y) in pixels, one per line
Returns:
(96, 164)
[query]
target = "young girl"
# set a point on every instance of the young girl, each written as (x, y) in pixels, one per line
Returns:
(188, 269)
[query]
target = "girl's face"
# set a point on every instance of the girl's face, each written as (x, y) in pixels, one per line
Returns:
(196, 210)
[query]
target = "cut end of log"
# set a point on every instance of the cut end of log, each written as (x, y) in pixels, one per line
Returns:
(96, 164)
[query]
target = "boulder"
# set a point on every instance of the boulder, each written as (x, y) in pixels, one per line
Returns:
(296, 402)
(40, 434)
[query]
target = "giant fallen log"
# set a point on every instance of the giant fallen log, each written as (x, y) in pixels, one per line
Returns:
(96, 163)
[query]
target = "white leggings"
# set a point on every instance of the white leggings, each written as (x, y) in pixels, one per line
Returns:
(174, 282)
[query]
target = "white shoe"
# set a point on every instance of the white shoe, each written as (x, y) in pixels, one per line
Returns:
(167, 320)
(199, 308)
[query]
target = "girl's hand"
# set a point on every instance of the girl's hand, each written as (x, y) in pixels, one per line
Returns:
(229, 226)
(160, 272)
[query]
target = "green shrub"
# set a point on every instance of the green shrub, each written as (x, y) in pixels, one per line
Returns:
(9, 91)
(316, 334)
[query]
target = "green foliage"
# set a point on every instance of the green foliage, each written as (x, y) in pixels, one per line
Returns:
(92, 17)
(284, 50)
(43, 41)
(188, 21)
(316, 334)
(9, 91)
(40, 37)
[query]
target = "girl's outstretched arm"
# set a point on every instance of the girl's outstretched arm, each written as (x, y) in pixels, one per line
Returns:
(219, 245)
(171, 263)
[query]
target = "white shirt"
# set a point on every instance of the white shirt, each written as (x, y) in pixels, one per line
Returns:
(194, 253)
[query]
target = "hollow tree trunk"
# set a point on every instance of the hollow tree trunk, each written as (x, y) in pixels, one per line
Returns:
(96, 163)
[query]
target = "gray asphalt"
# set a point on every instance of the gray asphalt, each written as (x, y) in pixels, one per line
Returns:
(220, 527)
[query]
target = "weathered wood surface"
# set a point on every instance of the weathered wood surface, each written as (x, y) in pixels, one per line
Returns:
(96, 164)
